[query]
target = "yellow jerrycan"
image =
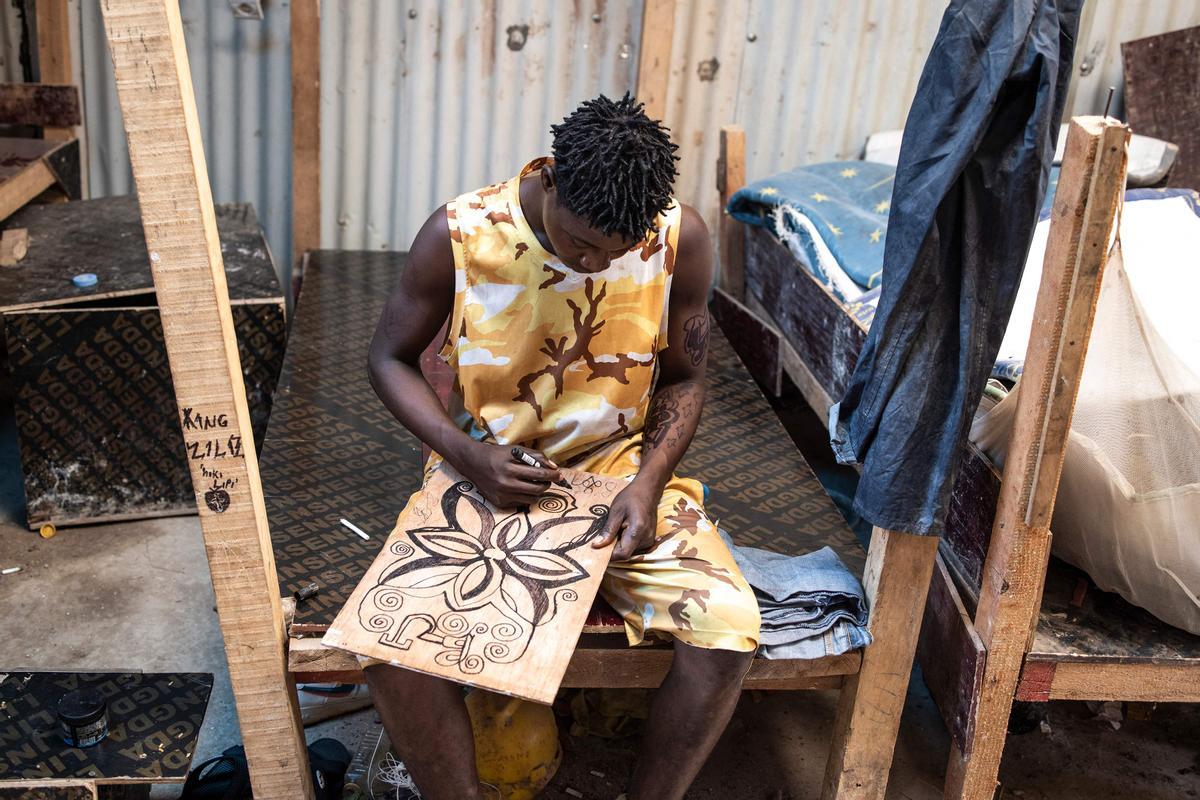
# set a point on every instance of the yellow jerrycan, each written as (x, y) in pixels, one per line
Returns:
(516, 744)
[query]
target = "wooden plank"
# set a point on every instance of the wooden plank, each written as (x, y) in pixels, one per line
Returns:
(757, 343)
(1103, 628)
(50, 105)
(654, 56)
(1161, 75)
(47, 790)
(306, 126)
(605, 661)
(731, 176)
(20, 188)
(1034, 686)
(54, 58)
(312, 656)
(485, 596)
(162, 126)
(896, 580)
(1085, 205)
(793, 365)
(951, 655)
(646, 667)
(969, 519)
(826, 338)
(1080, 680)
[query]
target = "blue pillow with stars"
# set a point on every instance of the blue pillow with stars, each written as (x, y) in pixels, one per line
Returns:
(846, 203)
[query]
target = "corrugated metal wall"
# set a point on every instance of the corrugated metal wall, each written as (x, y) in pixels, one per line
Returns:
(241, 73)
(425, 98)
(10, 41)
(807, 80)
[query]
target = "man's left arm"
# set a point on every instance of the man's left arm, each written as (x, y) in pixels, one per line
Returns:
(678, 398)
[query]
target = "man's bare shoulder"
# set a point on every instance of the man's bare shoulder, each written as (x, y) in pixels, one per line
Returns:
(431, 257)
(694, 248)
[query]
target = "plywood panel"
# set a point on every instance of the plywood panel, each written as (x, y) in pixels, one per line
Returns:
(45, 104)
(153, 721)
(951, 655)
(1161, 75)
(484, 596)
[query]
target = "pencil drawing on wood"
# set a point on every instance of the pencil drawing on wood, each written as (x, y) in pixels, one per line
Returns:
(487, 596)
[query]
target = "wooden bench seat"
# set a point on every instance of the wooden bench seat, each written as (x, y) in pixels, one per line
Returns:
(333, 451)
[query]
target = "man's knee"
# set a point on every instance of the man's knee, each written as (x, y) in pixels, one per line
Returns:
(396, 682)
(715, 666)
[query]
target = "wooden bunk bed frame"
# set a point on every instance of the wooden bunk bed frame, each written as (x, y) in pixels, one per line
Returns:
(161, 121)
(1003, 620)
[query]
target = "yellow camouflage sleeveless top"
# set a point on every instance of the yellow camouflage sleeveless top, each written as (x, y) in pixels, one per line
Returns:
(547, 357)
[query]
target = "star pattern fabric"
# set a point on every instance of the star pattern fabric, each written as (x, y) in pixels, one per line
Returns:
(847, 204)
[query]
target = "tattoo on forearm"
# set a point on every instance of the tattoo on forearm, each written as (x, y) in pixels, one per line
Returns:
(667, 419)
(695, 339)
(662, 417)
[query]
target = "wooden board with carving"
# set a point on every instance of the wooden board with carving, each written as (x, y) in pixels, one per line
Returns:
(483, 596)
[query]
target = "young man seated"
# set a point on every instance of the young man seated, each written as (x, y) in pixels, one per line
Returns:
(578, 330)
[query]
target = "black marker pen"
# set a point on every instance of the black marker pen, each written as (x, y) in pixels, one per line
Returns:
(525, 458)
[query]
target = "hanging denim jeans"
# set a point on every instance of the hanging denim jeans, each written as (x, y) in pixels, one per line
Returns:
(973, 167)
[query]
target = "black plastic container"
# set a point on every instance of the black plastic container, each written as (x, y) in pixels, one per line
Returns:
(83, 717)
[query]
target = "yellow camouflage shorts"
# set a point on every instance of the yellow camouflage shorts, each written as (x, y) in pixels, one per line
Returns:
(687, 586)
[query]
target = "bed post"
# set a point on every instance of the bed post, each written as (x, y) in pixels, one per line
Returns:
(306, 127)
(896, 580)
(154, 86)
(654, 56)
(1085, 207)
(54, 53)
(731, 176)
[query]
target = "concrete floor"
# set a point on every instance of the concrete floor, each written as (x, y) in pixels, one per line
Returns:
(136, 596)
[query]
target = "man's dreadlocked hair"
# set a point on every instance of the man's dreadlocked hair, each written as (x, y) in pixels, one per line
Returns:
(614, 166)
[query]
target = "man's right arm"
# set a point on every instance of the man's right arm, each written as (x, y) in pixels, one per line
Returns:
(412, 316)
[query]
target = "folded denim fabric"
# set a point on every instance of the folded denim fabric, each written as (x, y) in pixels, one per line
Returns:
(811, 605)
(843, 637)
(816, 578)
(825, 623)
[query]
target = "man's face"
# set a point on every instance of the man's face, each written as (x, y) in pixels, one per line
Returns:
(577, 244)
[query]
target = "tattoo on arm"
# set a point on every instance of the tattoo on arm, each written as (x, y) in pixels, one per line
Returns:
(670, 411)
(662, 417)
(695, 340)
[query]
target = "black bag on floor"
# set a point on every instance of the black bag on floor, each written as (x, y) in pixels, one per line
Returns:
(227, 776)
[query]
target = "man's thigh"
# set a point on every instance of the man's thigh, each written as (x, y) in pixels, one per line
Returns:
(687, 587)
